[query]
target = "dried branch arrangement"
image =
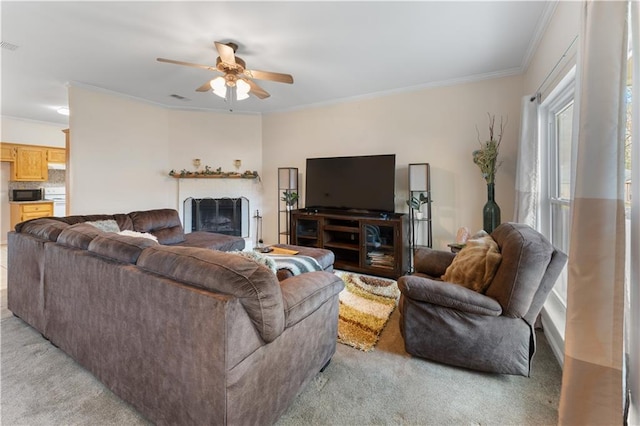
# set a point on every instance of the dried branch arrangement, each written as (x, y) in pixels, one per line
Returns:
(487, 156)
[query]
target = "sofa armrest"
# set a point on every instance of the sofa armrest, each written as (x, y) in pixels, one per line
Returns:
(303, 294)
(432, 262)
(44, 228)
(448, 295)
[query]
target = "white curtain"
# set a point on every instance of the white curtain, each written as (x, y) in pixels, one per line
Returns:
(634, 241)
(592, 382)
(527, 165)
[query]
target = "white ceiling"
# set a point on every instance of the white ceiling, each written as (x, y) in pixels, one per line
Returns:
(334, 50)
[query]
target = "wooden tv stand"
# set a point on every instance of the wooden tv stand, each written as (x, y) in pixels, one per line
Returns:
(368, 243)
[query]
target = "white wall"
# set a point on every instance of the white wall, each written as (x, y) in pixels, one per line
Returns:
(217, 139)
(29, 132)
(556, 41)
(437, 126)
(122, 150)
(119, 154)
(5, 220)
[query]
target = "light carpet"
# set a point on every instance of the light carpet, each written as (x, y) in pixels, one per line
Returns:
(366, 303)
(43, 386)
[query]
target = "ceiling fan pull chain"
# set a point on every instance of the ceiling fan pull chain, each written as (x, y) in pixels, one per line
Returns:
(231, 94)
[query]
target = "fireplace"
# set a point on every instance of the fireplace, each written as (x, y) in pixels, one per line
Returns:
(229, 216)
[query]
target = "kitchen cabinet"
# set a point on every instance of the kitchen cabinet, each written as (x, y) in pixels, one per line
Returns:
(21, 211)
(7, 152)
(30, 164)
(56, 155)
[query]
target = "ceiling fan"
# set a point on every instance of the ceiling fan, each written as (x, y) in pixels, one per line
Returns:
(236, 77)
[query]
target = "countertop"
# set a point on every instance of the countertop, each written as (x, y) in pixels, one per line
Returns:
(31, 202)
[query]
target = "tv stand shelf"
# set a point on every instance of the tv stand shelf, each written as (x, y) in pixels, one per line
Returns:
(362, 242)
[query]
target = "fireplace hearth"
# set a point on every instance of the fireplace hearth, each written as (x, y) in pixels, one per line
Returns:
(229, 216)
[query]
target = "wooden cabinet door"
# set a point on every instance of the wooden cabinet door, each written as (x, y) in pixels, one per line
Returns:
(21, 212)
(56, 155)
(7, 152)
(31, 164)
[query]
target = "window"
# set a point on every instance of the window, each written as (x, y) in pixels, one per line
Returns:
(556, 130)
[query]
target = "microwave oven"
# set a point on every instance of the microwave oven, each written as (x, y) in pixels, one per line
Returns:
(27, 194)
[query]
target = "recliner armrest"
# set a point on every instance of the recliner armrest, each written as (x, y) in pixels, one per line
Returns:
(432, 262)
(448, 295)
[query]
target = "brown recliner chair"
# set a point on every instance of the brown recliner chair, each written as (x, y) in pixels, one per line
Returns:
(494, 331)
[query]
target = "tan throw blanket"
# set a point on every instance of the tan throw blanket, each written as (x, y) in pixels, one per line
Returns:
(475, 265)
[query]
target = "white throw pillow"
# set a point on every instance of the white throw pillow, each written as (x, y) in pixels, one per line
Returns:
(139, 234)
(108, 225)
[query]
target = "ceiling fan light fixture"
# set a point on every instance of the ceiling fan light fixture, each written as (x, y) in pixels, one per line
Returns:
(219, 86)
(242, 90)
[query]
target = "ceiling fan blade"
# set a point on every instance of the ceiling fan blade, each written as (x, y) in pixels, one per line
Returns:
(189, 64)
(226, 53)
(256, 90)
(205, 87)
(266, 75)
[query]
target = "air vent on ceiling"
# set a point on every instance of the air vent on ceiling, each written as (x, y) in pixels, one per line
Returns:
(8, 46)
(181, 98)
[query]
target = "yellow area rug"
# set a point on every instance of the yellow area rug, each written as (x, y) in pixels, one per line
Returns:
(366, 303)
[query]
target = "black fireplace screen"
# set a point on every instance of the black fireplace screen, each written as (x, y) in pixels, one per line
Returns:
(227, 216)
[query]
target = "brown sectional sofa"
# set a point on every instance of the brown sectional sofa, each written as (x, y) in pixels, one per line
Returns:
(187, 335)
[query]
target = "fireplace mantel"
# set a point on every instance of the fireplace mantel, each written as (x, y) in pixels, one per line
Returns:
(222, 187)
(213, 175)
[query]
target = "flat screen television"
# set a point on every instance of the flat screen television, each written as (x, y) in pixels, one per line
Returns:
(359, 183)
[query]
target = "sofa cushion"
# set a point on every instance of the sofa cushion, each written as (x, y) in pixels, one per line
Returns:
(124, 248)
(46, 229)
(163, 223)
(253, 284)
(79, 235)
(432, 263)
(324, 257)
(123, 220)
(213, 241)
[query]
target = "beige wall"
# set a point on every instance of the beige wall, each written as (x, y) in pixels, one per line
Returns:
(122, 150)
(548, 63)
(31, 132)
(217, 139)
(556, 41)
(118, 154)
(437, 126)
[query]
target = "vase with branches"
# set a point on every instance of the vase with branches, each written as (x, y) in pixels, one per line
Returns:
(486, 158)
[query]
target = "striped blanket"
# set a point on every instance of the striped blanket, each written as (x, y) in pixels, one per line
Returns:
(295, 264)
